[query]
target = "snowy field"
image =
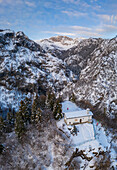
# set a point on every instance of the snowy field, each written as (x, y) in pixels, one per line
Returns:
(84, 134)
(88, 135)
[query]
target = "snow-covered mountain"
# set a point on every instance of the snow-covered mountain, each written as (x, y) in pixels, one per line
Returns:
(94, 62)
(59, 42)
(88, 68)
(58, 46)
(97, 84)
(26, 68)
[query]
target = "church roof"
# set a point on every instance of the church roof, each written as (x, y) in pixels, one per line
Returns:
(76, 114)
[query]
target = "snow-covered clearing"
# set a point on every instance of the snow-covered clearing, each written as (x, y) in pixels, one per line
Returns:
(47, 147)
(88, 135)
(85, 132)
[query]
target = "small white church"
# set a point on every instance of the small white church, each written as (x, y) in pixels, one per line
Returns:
(78, 117)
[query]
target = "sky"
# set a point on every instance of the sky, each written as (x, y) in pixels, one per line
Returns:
(40, 19)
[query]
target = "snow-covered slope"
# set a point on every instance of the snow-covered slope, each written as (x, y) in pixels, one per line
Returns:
(51, 145)
(38, 149)
(97, 84)
(26, 68)
(88, 68)
(89, 137)
(59, 42)
(99, 78)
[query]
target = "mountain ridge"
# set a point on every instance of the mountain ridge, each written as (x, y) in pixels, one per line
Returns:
(84, 68)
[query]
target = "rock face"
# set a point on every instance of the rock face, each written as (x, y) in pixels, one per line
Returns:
(75, 54)
(58, 45)
(88, 68)
(26, 68)
(60, 42)
(99, 78)
(76, 57)
(97, 84)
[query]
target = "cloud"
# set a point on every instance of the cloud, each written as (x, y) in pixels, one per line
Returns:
(96, 7)
(109, 28)
(83, 4)
(81, 28)
(18, 2)
(78, 2)
(30, 4)
(60, 33)
(86, 31)
(75, 13)
(72, 1)
(88, 34)
(75, 31)
(95, 31)
(108, 18)
(99, 30)
(11, 2)
(103, 30)
(94, 0)
(104, 17)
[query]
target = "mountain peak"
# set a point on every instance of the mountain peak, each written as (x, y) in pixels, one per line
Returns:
(60, 38)
(58, 42)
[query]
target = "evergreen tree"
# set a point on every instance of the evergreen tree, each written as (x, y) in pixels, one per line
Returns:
(20, 120)
(75, 129)
(22, 109)
(60, 99)
(1, 112)
(72, 98)
(19, 124)
(50, 100)
(36, 100)
(2, 125)
(10, 117)
(38, 115)
(57, 110)
(41, 101)
(47, 98)
(1, 148)
(27, 110)
(34, 109)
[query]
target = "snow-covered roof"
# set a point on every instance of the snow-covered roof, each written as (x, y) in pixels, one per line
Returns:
(76, 114)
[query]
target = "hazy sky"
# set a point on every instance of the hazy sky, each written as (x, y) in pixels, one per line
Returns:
(40, 19)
